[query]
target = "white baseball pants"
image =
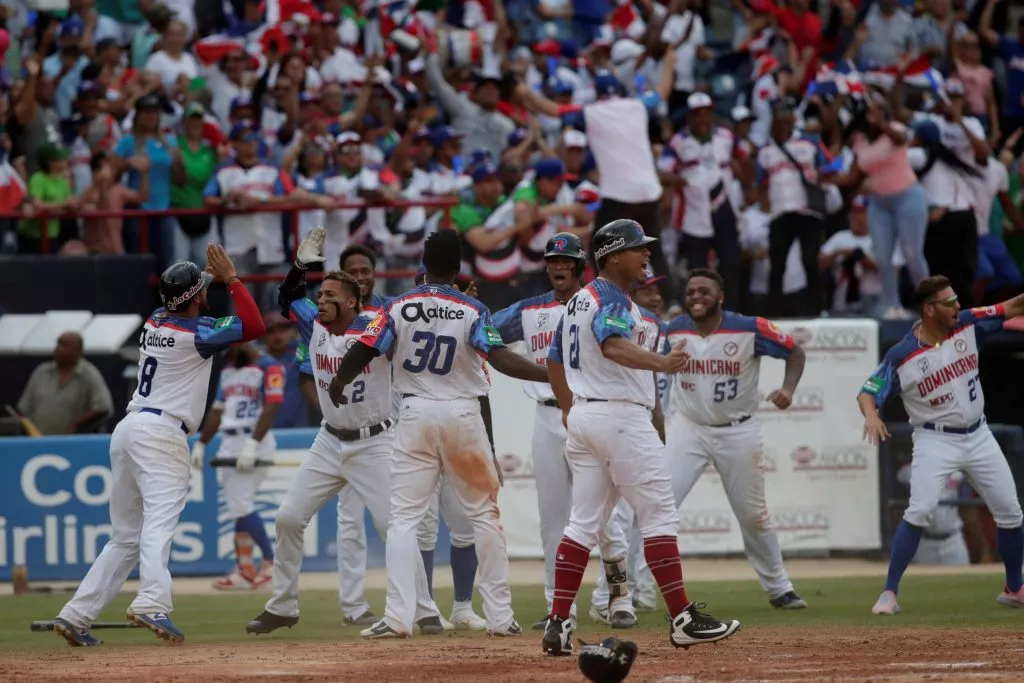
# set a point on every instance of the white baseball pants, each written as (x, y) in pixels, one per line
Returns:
(737, 454)
(433, 436)
(445, 504)
(642, 586)
(351, 549)
(239, 488)
(149, 462)
(365, 466)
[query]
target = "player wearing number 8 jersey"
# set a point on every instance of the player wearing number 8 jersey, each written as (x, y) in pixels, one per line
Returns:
(352, 448)
(438, 339)
(712, 420)
(149, 459)
(934, 370)
(602, 364)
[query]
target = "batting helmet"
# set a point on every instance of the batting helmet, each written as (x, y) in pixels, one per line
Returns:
(608, 662)
(618, 236)
(181, 283)
(568, 245)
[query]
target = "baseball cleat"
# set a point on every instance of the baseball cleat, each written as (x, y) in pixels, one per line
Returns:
(1011, 598)
(599, 615)
(622, 619)
(540, 625)
(427, 626)
(557, 637)
(465, 619)
(160, 624)
(381, 630)
(367, 618)
(788, 600)
(76, 637)
(234, 581)
(693, 627)
(268, 621)
(512, 629)
(886, 604)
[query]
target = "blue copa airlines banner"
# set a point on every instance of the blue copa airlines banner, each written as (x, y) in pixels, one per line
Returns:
(55, 520)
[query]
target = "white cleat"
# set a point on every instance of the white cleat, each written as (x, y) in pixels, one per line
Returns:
(599, 615)
(693, 627)
(1011, 599)
(886, 604)
(465, 619)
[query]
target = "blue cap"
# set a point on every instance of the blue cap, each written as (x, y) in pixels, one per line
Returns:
(606, 83)
(483, 171)
(517, 136)
(480, 155)
(88, 88)
(244, 129)
(927, 132)
(441, 135)
(549, 167)
(239, 102)
(560, 87)
(72, 26)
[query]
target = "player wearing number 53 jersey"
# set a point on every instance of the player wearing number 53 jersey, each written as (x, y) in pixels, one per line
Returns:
(602, 366)
(354, 444)
(438, 339)
(149, 459)
(712, 420)
(934, 369)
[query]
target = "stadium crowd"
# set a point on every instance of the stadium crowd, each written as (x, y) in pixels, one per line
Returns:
(823, 156)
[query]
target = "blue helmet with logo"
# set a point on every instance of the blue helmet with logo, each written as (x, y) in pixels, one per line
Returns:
(619, 235)
(568, 245)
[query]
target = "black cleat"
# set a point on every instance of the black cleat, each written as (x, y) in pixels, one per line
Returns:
(430, 626)
(558, 637)
(788, 600)
(367, 618)
(693, 627)
(268, 621)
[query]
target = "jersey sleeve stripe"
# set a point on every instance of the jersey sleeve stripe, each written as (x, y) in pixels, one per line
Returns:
(169, 325)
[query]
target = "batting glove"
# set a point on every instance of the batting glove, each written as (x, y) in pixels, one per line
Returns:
(198, 455)
(246, 461)
(311, 248)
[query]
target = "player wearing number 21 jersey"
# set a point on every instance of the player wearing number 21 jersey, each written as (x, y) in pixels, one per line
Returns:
(712, 419)
(149, 458)
(934, 369)
(438, 340)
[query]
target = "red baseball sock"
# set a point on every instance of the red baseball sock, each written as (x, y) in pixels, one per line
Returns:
(662, 555)
(570, 563)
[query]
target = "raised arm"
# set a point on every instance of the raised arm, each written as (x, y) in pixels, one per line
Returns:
(510, 363)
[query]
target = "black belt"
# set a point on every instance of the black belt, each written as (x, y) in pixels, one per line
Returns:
(236, 432)
(937, 537)
(550, 403)
(970, 429)
(731, 424)
(357, 434)
(157, 411)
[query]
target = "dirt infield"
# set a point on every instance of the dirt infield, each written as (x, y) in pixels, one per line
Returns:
(793, 655)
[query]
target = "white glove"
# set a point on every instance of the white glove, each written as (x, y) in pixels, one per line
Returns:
(198, 455)
(246, 461)
(311, 248)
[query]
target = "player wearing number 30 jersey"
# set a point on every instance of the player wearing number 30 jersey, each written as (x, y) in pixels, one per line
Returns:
(149, 458)
(934, 369)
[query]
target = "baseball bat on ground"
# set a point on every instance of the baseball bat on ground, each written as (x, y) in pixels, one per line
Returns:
(230, 462)
(48, 625)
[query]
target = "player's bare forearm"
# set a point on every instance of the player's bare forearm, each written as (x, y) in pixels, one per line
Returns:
(868, 408)
(658, 416)
(624, 352)
(211, 426)
(512, 364)
(556, 375)
(794, 369)
(1014, 307)
(267, 416)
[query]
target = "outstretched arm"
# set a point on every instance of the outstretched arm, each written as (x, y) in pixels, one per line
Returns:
(512, 364)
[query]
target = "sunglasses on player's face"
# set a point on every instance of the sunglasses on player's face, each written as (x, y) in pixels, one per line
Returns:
(948, 302)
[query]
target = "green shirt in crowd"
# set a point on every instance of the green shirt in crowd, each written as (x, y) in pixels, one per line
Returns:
(469, 214)
(199, 166)
(50, 189)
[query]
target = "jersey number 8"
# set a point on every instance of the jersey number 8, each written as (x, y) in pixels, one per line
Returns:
(146, 376)
(434, 353)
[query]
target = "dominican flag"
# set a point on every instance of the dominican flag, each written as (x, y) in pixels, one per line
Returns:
(919, 74)
(211, 49)
(759, 44)
(838, 78)
(392, 14)
(12, 187)
(625, 18)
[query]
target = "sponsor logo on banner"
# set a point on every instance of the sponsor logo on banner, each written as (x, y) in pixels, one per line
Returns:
(515, 466)
(800, 519)
(830, 458)
(705, 522)
(766, 461)
(834, 339)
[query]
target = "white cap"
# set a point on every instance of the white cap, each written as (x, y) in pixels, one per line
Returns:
(347, 136)
(574, 138)
(625, 49)
(417, 65)
(699, 100)
(741, 113)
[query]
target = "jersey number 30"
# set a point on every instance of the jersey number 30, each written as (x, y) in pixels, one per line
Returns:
(146, 376)
(433, 353)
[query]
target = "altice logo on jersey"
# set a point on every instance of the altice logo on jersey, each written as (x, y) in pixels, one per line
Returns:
(155, 339)
(414, 310)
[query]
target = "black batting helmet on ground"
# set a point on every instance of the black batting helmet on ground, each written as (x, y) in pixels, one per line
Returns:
(608, 662)
(181, 283)
(568, 245)
(618, 236)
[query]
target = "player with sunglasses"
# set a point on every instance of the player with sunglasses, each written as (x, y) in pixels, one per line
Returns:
(934, 369)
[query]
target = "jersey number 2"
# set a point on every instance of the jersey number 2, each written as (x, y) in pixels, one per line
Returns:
(146, 376)
(972, 388)
(574, 347)
(434, 353)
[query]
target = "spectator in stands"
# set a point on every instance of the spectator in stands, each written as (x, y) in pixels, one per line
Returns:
(886, 34)
(49, 191)
(1011, 50)
(35, 119)
(544, 206)
(978, 83)
(193, 166)
(227, 81)
(280, 343)
(144, 38)
(934, 28)
(754, 233)
(849, 256)
(477, 119)
(104, 235)
(65, 66)
(67, 395)
(175, 66)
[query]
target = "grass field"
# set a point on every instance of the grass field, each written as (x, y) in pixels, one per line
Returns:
(838, 628)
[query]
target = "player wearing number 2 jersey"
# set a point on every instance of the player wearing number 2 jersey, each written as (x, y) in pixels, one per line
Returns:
(149, 459)
(934, 369)
(353, 447)
(438, 340)
(712, 421)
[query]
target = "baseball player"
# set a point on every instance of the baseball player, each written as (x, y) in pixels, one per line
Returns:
(602, 364)
(249, 393)
(942, 541)
(438, 339)
(934, 369)
(714, 398)
(354, 444)
(149, 458)
(533, 321)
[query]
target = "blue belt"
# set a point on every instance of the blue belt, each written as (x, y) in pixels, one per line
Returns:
(157, 411)
(236, 432)
(970, 429)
